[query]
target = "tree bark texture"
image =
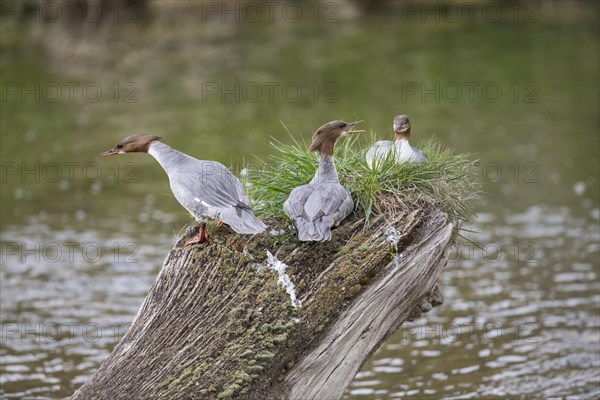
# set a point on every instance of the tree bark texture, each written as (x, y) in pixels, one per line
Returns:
(223, 321)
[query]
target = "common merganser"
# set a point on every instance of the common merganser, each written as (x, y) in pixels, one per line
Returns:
(323, 203)
(401, 149)
(207, 189)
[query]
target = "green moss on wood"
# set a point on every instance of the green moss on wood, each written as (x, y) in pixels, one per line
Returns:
(242, 325)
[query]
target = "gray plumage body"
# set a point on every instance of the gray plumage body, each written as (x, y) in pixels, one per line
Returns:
(400, 149)
(207, 189)
(320, 205)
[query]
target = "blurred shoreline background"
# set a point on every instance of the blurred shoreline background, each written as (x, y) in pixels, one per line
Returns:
(514, 82)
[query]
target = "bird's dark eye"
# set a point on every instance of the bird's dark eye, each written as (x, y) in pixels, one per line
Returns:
(342, 125)
(119, 146)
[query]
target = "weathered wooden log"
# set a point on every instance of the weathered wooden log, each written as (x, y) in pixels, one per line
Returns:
(268, 317)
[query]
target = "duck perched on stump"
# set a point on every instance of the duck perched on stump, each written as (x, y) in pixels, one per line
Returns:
(322, 204)
(400, 149)
(207, 189)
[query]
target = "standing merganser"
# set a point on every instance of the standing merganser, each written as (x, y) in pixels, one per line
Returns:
(207, 189)
(401, 149)
(323, 203)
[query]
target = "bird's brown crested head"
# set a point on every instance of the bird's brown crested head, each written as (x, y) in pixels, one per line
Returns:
(132, 144)
(326, 136)
(402, 127)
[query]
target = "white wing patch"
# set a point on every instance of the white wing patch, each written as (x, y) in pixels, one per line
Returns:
(205, 204)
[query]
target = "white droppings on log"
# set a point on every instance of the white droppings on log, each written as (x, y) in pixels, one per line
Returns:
(284, 280)
(393, 236)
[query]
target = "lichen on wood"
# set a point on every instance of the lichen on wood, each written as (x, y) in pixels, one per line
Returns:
(216, 323)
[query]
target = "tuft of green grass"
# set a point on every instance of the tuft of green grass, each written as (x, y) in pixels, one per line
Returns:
(445, 182)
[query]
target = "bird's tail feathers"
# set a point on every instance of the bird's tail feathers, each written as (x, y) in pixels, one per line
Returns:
(242, 220)
(317, 231)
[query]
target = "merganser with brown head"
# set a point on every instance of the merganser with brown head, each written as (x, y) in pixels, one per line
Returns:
(207, 189)
(400, 148)
(324, 202)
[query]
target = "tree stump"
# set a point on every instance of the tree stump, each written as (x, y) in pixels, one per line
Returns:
(269, 317)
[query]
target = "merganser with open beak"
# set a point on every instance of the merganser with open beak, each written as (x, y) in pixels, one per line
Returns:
(401, 149)
(324, 202)
(207, 189)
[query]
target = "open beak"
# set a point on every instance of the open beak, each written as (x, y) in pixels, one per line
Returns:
(349, 131)
(110, 152)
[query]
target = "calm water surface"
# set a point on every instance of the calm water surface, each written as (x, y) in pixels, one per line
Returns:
(83, 239)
